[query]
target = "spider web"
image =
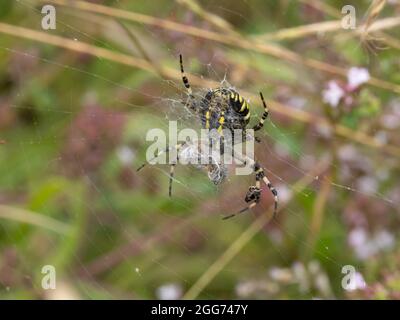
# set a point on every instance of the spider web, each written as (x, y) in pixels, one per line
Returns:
(158, 248)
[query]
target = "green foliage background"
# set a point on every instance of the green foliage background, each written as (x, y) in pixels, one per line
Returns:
(68, 200)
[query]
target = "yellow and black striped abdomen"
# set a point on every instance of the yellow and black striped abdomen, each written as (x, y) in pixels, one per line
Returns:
(240, 105)
(233, 99)
(225, 108)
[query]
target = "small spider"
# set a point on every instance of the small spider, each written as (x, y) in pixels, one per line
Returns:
(224, 108)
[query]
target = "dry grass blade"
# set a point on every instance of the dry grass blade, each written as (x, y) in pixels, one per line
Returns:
(318, 212)
(297, 114)
(237, 41)
(135, 41)
(328, 26)
(33, 218)
(77, 46)
(370, 42)
(333, 12)
(213, 19)
(139, 18)
(373, 12)
(302, 31)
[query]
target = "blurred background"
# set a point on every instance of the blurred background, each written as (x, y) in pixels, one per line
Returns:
(77, 101)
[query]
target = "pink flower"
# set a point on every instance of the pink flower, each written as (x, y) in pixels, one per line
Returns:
(337, 92)
(169, 291)
(359, 281)
(333, 94)
(365, 245)
(356, 77)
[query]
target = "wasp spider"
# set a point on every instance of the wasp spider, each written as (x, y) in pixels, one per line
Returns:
(224, 108)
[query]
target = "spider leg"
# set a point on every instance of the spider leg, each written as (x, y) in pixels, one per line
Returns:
(172, 167)
(171, 177)
(190, 101)
(264, 116)
(184, 77)
(273, 191)
(253, 196)
(260, 175)
(250, 206)
(155, 157)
